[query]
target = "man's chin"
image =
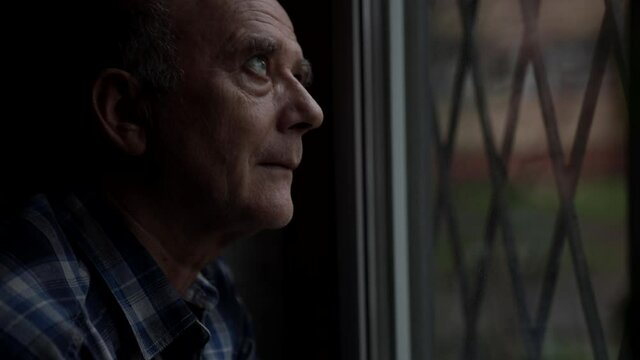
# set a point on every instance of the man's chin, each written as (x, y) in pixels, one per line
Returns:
(278, 217)
(266, 210)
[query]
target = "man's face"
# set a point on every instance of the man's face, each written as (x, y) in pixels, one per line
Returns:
(230, 136)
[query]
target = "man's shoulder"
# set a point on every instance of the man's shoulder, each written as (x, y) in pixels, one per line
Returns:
(29, 232)
(42, 284)
(35, 249)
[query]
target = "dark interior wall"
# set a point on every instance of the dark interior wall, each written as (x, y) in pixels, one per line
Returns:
(311, 270)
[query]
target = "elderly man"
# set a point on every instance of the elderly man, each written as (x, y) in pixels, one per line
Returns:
(200, 107)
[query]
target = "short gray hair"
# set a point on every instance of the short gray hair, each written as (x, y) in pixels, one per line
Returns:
(147, 46)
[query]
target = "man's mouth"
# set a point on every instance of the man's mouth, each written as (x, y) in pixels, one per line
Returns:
(281, 165)
(281, 162)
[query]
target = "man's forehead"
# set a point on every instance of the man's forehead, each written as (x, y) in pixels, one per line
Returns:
(225, 21)
(240, 11)
(267, 9)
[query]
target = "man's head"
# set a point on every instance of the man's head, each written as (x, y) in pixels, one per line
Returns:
(215, 121)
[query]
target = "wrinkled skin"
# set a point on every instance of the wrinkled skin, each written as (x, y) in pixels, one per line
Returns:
(230, 136)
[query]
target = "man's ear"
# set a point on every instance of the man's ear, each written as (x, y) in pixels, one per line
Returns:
(116, 102)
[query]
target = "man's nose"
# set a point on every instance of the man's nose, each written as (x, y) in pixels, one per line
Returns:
(302, 113)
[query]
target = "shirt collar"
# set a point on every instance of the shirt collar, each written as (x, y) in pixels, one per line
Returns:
(202, 294)
(153, 308)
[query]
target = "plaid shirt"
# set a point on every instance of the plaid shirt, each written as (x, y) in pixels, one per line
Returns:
(76, 284)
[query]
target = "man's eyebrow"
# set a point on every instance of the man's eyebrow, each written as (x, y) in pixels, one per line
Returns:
(252, 44)
(305, 72)
(263, 44)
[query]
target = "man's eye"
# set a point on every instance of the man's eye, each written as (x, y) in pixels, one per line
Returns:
(258, 64)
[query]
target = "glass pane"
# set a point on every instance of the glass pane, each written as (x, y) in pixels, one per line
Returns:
(495, 233)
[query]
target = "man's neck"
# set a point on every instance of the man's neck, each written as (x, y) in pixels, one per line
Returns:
(179, 251)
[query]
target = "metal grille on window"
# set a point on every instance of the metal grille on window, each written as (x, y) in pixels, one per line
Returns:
(530, 213)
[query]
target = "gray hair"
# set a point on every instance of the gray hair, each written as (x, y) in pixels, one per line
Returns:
(147, 46)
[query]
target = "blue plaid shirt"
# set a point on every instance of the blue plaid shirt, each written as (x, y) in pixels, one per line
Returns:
(76, 284)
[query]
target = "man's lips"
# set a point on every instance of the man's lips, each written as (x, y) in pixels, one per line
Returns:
(284, 159)
(286, 165)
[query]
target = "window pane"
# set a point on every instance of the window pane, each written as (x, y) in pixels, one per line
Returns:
(510, 218)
